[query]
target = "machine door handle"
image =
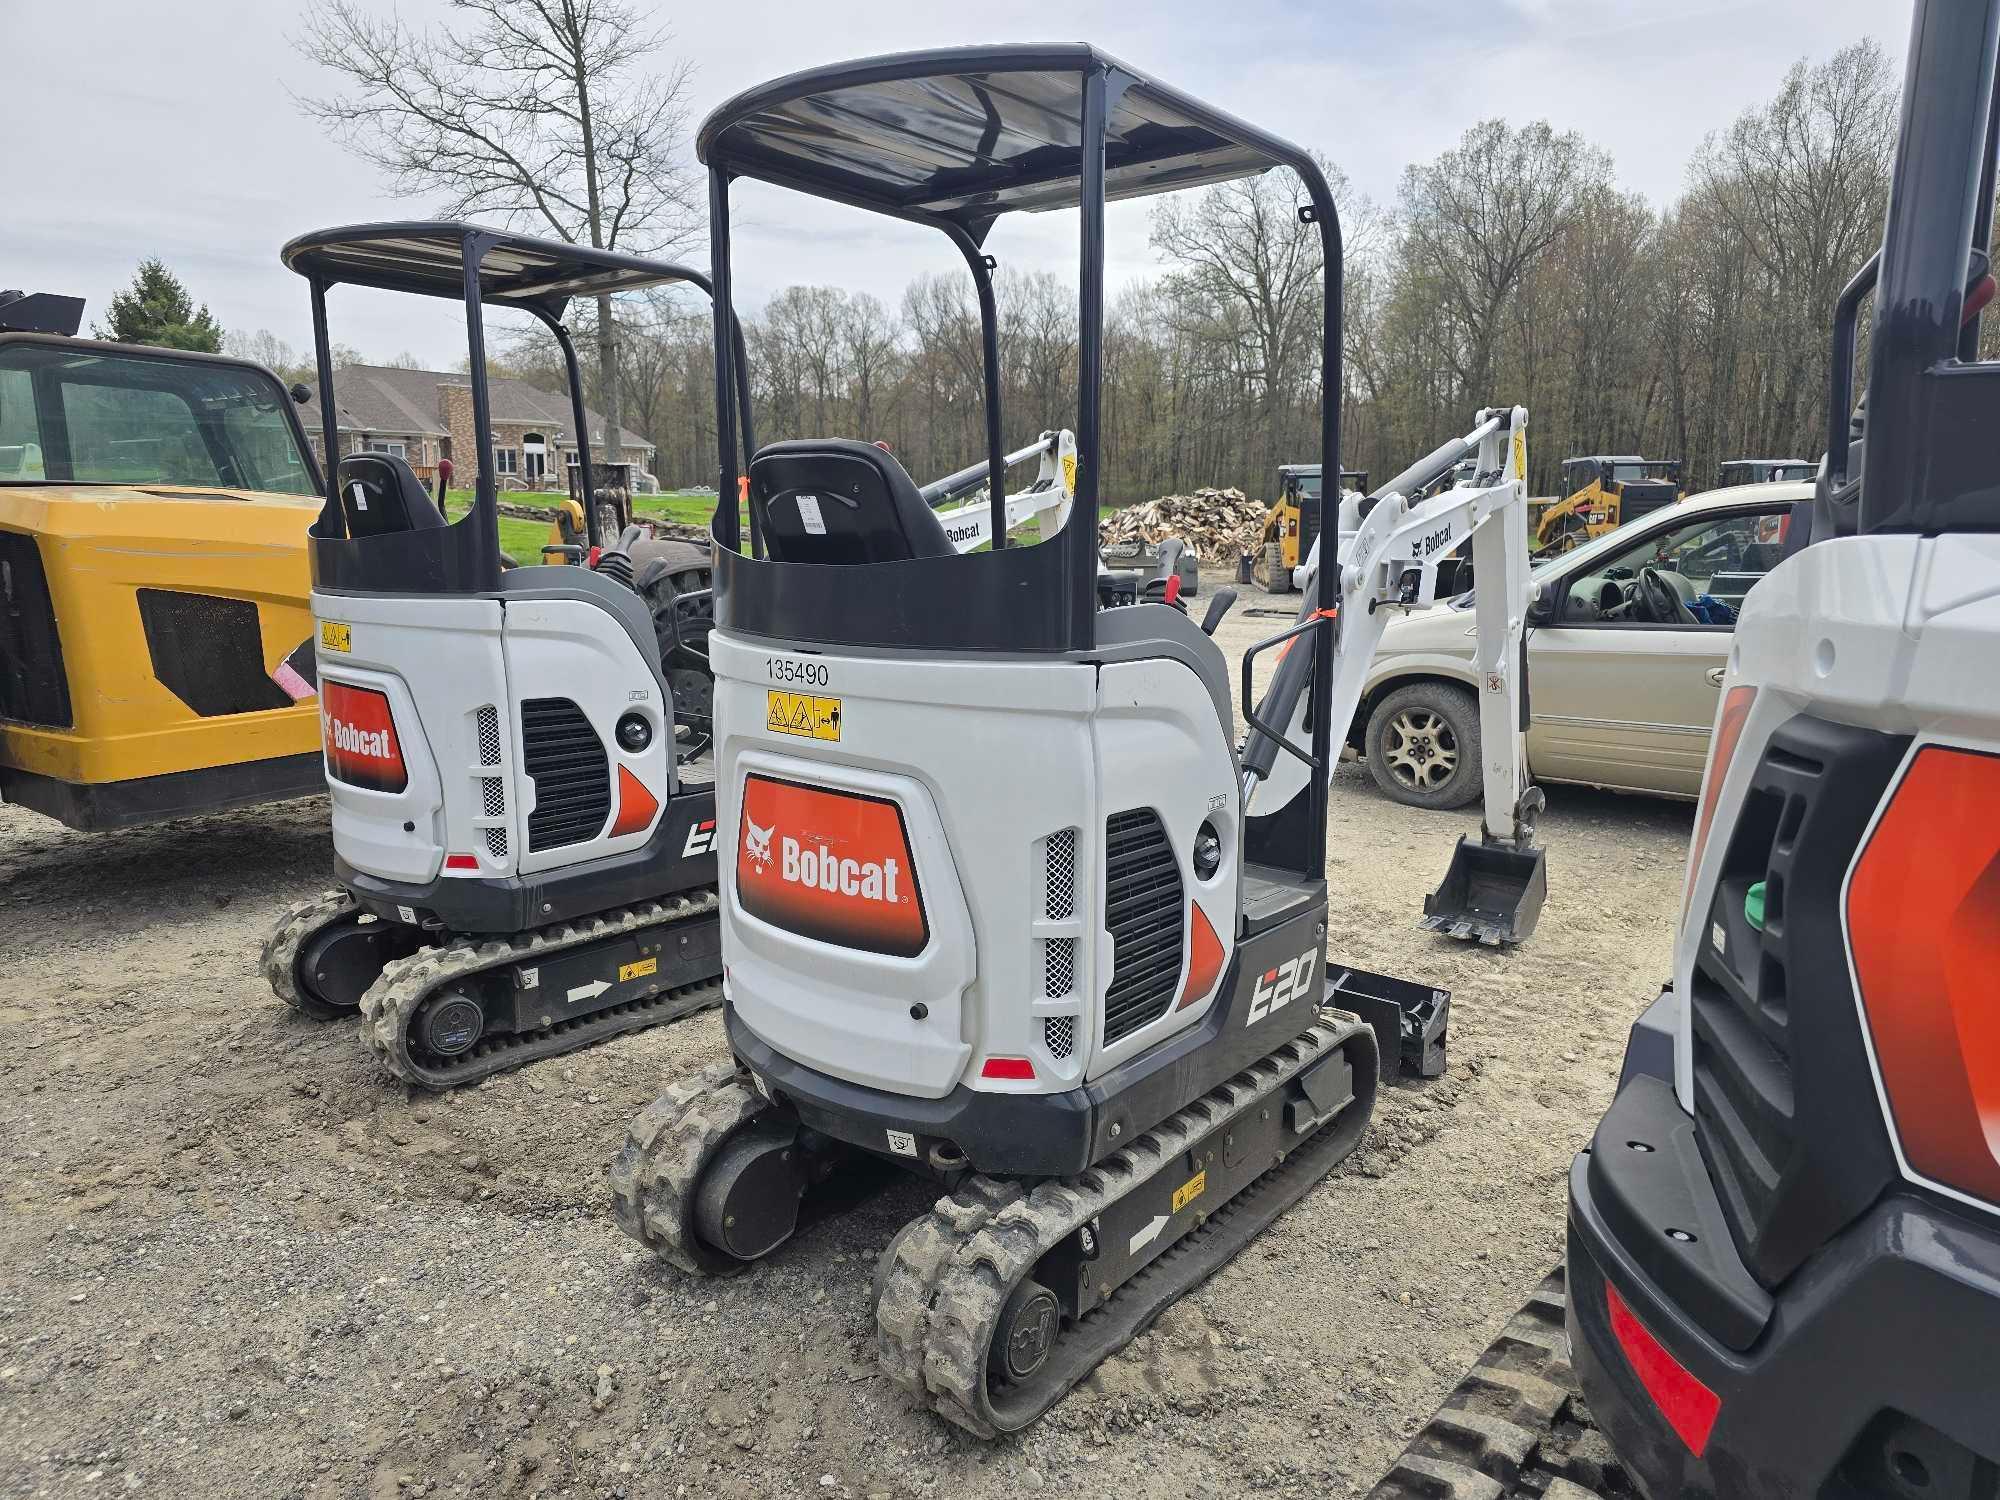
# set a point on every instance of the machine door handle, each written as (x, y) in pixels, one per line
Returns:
(1714, 676)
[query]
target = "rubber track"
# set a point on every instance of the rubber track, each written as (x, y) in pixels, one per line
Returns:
(392, 1001)
(670, 1144)
(953, 1270)
(1515, 1427)
(280, 960)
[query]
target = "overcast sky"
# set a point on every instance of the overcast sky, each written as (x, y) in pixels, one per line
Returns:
(168, 128)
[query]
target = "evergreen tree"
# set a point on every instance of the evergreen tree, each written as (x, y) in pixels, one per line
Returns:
(157, 310)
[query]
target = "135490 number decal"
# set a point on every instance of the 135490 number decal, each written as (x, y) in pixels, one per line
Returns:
(786, 669)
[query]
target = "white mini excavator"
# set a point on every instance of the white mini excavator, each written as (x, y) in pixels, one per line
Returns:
(1003, 900)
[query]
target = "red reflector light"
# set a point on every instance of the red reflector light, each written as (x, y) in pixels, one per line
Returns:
(1689, 1406)
(1008, 1067)
(1923, 925)
(460, 862)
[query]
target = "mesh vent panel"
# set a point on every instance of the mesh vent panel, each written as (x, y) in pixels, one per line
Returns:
(1058, 967)
(1059, 1035)
(496, 842)
(1059, 904)
(489, 737)
(492, 791)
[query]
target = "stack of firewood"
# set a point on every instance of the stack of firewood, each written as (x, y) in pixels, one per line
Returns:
(1216, 525)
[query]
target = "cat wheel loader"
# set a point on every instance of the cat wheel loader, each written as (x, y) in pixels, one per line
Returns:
(1783, 1263)
(1004, 902)
(153, 615)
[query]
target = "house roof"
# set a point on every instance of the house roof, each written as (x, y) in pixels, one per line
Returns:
(397, 402)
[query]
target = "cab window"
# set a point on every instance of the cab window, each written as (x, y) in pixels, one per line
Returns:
(1693, 576)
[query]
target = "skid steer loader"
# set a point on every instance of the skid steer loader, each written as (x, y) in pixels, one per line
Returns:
(1003, 903)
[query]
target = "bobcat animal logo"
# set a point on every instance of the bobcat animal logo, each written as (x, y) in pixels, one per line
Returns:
(757, 844)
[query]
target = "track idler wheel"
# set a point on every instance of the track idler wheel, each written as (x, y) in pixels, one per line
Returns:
(747, 1202)
(1025, 1333)
(450, 1025)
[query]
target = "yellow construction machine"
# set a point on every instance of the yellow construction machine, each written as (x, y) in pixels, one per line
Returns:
(1293, 521)
(155, 657)
(1603, 492)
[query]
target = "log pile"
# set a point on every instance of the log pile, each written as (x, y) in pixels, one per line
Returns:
(1216, 525)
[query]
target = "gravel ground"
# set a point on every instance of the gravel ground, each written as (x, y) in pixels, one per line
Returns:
(240, 1262)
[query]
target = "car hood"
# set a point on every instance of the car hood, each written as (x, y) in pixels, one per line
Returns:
(1439, 629)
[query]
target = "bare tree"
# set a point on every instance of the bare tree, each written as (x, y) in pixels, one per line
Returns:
(540, 113)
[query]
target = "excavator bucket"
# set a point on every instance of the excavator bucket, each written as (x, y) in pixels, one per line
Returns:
(1492, 893)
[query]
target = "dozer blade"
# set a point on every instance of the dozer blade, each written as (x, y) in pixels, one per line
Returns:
(1491, 893)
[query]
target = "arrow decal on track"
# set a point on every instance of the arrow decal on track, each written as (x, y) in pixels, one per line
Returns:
(1146, 1236)
(589, 991)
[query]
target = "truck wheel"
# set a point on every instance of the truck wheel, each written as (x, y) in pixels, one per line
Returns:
(1423, 745)
(1277, 577)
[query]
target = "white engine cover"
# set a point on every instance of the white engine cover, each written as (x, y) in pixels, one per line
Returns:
(445, 792)
(987, 783)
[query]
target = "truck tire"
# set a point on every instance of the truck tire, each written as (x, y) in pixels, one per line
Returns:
(1423, 745)
(1277, 577)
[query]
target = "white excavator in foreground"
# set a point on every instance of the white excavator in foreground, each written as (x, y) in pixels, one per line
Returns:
(1004, 901)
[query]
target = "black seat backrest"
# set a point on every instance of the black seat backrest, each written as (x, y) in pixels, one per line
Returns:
(1761, 557)
(833, 500)
(380, 493)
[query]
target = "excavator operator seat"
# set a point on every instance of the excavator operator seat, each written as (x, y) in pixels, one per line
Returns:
(380, 493)
(834, 500)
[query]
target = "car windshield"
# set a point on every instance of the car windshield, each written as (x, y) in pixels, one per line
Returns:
(86, 416)
(1308, 485)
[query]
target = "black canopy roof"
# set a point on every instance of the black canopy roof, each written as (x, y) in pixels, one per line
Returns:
(968, 133)
(516, 269)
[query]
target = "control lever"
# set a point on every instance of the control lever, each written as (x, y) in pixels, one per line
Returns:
(1219, 604)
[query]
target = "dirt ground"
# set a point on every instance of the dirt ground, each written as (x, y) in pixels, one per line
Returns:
(235, 1260)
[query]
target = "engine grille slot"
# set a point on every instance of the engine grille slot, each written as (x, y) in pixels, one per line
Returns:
(566, 760)
(34, 689)
(1059, 1036)
(1145, 913)
(1784, 1105)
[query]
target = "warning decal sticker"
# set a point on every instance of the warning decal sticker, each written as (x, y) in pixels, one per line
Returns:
(803, 715)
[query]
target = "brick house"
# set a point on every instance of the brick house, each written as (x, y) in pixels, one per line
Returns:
(425, 415)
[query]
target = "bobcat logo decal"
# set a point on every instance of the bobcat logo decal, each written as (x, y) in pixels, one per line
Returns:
(757, 844)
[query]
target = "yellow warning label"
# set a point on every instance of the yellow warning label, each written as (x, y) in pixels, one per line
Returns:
(639, 970)
(336, 635)
(803, 715)
(1069, 472)
(1521, 456)
(1190, 1190)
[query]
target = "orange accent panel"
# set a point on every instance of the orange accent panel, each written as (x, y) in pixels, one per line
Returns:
(359, 733)
(1923, 921)
(1204, 957)
(832, 866)
(636, 805)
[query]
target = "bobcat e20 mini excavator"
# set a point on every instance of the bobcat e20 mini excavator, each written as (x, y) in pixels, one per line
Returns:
(1002, 901)
(523, 809)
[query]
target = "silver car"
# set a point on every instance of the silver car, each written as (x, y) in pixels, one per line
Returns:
(1628, 636)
